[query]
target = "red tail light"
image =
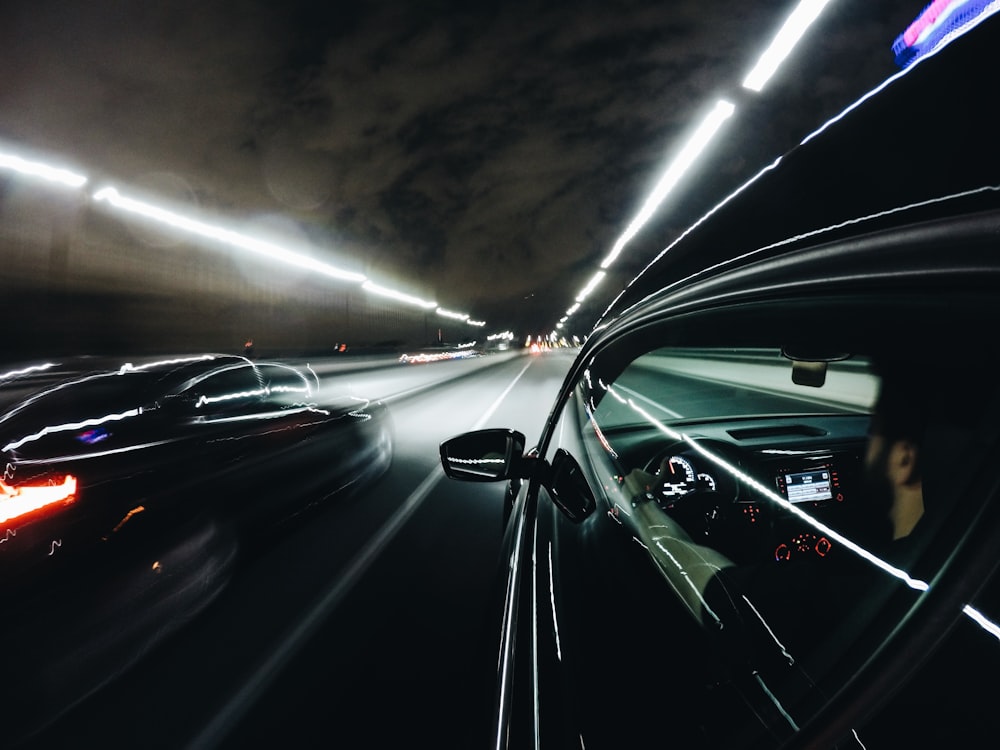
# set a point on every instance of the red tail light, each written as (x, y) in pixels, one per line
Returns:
(30, 498)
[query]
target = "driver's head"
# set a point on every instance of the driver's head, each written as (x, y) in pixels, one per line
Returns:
(894, 487)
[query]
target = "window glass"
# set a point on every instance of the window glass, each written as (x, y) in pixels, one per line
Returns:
(231, 391)
(793, 508)
(284, 385)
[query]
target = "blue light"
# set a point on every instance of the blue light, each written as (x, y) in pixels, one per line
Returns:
(939, 23)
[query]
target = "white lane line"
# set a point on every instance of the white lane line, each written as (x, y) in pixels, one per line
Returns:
(496, 404)
(243, 701)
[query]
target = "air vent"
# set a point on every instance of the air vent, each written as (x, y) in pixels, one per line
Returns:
(790, 430)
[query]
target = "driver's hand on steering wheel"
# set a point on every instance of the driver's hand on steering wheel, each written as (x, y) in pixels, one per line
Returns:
(639, 481)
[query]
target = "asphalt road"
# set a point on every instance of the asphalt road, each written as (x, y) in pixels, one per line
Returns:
(364, 625)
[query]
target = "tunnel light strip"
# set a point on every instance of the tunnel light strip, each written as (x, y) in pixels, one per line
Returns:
(42, 171)
(226, 236)
(722, 111)
(596, 279)
(453, 315)
(111, 196)
(805, 13)
(370, 286)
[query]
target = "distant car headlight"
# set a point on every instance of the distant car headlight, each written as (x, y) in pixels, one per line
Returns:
(24, 499)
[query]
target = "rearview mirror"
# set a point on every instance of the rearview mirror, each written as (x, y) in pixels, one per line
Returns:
(809, 364)
(484, 455)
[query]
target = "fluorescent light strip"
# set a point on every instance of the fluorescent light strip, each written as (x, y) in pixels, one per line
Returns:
(41, 171)
(591, 285)
(113, 197)
(370, 286)
(805, 13)
(454, 315)
(722, 111)
(226, 236)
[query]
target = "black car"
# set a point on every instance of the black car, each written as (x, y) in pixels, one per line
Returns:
(764, 509)
(131, 489)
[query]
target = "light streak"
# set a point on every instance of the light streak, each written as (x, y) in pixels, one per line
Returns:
(932, 16)
(128, 517)
(260, 416)
(805, 13)
(938, 25)
(41, 171)
(771, 495)
(208, 400)
(18, 501)
(219, 234)
(980, 619)
(370, 286)
(693, 586)
(129, 367)
(26, 370)
(72, 426)
(454, 315)
(476, 323)
(596, 279)
(722, 111)
(50, 460)
(552, 602)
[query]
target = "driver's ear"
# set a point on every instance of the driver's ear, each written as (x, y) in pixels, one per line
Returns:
(902, 463)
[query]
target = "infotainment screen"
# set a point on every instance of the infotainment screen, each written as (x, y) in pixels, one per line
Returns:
(808, 486)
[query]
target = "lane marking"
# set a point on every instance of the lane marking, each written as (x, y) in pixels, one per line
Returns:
(243, 701)
(496, 404)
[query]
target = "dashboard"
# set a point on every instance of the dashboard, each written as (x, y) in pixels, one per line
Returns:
(781, 489)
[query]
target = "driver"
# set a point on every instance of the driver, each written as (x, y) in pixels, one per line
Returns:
(893, 480)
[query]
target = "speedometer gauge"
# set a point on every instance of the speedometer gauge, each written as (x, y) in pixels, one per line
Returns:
(678, 477)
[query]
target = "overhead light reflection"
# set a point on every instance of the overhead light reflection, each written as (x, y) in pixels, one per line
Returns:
(722, 111)
(591, 285)
(37, 169)
(454, 315)
(227, 236)
(382, 291)
(805, 13)
(771, 495)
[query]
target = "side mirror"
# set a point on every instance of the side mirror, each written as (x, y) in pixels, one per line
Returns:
(569, 489)
(484, 456)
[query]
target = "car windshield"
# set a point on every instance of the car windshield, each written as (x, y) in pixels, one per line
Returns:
(674, 384)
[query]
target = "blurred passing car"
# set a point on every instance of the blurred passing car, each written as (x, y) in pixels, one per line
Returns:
(129, 489)
(764, 509)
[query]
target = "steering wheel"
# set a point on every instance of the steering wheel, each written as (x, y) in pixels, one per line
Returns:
(691, 498)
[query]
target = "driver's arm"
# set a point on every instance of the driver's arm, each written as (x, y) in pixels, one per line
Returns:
(639, 481)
